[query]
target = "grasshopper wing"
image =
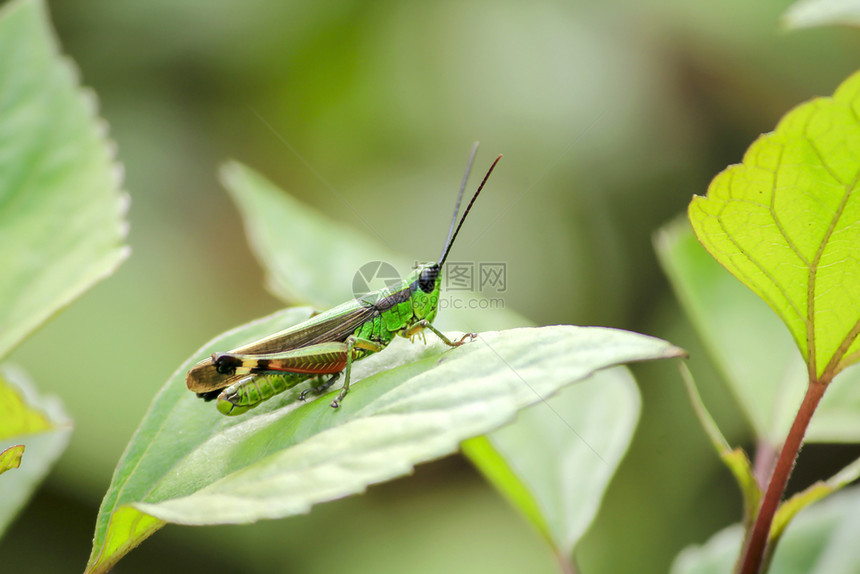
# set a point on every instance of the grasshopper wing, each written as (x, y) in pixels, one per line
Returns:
(332, 326)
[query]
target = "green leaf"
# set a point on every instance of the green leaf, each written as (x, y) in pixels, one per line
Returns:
(11, 457)
(276, 223)
(16, 416)
(321, 271)
(61, 227)
(122, 532)
(37, 423)
(498, 471)
(716, 556)
(821, 540)
(751, 347)
(810, 13)
(785, 222)
(583, 433)
(188, 464)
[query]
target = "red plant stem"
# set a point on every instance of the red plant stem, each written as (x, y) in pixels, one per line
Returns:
(757, 538)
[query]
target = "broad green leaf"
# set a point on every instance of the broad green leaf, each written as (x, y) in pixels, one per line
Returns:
(11, 457)
(312, 259)
(583, 433)
(61, 227)
(276, 224)
(810, 13)
(751, 347)
(411, 403)
(785, 222)
(821, 540)
(190, 465)
(37, 423)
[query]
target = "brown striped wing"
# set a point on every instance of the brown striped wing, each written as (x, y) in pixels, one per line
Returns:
(332, 326)
(319, 359)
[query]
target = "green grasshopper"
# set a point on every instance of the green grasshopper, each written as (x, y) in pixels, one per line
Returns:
(329, 342)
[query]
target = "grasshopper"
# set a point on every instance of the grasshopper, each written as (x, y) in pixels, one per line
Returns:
(329, 342)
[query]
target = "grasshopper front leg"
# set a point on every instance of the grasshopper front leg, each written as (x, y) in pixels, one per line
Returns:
(413, 330)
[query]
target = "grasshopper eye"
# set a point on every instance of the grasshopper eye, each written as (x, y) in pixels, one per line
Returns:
(427, 279)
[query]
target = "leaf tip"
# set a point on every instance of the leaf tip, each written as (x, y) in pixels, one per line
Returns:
(228, 171)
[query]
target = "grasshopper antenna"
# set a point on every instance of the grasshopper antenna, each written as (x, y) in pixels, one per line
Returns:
(460, 194)
(452, 236)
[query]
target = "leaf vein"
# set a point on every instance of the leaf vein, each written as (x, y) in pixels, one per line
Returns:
(775, 216)
(750, 281)
(833, 364)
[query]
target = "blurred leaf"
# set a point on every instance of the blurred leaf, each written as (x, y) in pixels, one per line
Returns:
(40, 425)
(188, 464)
(809, 13)
(583, 433)
(16, 416)
(785, 223)
(61, 227)
(752, 348)
(499, 473)
(735, 459)
(716, 556)
(11, 457)
(277, 224)
(311, 258)
(821, 540)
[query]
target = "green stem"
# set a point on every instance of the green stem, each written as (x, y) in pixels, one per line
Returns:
(753, 553)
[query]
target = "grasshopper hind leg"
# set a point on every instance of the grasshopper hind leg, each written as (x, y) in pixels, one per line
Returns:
(320, 388)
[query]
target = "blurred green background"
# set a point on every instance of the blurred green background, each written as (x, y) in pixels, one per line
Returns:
(610, 115)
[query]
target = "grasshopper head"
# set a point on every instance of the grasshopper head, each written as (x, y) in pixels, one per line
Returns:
(425, 282)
